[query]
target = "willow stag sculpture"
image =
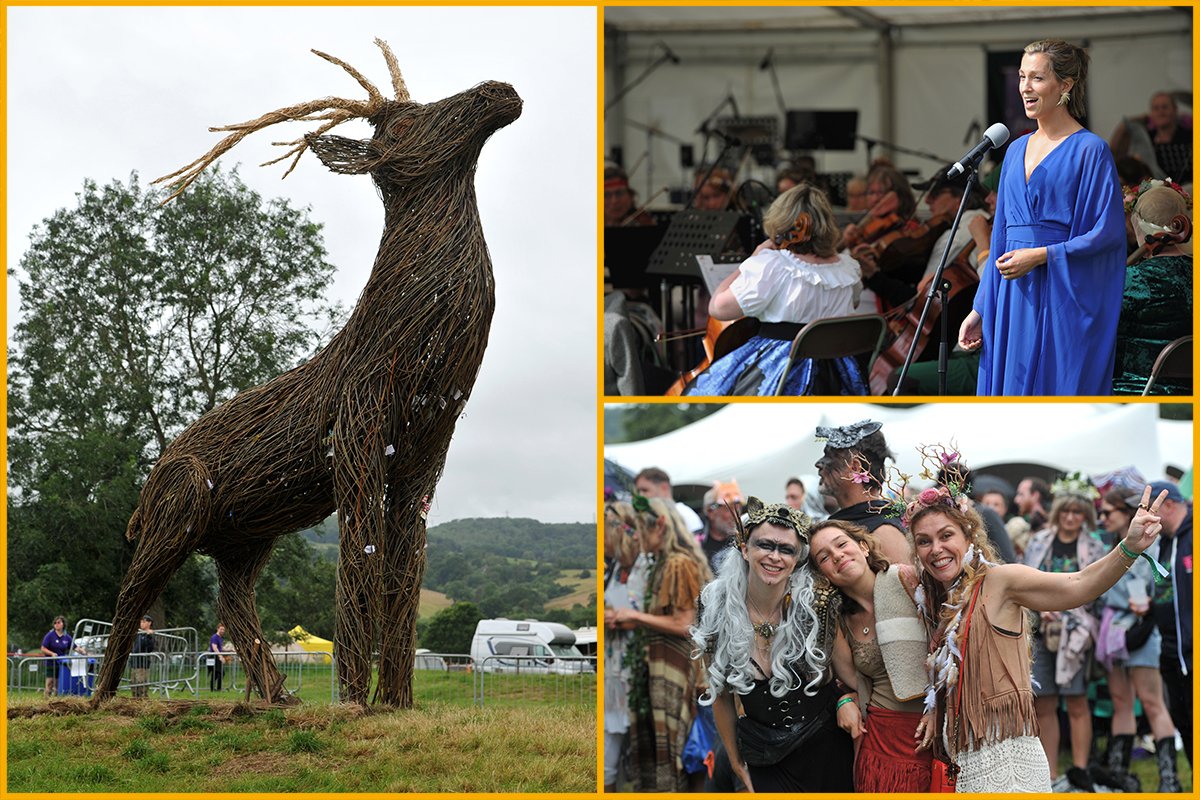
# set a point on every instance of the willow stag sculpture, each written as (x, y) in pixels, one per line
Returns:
(364, 426)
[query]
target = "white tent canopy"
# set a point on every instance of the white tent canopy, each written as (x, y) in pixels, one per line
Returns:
(762, 445)
(918, 77)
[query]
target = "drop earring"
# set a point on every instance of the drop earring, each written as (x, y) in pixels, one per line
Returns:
(1064, 98)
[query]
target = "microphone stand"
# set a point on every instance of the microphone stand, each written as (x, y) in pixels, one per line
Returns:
(941, 287)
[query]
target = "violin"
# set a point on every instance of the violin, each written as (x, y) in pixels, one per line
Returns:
(904, 320)
(872, 230)
(902, 248)
(1180, 232)
(720, 337)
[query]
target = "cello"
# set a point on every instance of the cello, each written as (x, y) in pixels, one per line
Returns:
(1180, 231)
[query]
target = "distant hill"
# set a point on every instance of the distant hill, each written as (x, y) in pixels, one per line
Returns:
(507, 537)
(519, 538)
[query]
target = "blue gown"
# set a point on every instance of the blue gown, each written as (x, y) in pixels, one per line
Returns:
(1053, 331)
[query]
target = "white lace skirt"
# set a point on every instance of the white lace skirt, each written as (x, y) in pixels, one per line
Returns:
(1010, 765)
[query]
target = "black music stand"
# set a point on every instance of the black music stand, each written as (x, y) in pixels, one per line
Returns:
(691, 233)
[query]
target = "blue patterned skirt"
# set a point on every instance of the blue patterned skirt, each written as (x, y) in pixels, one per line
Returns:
(755, 369)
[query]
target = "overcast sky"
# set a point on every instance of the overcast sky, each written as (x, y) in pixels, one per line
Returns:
(102, 92)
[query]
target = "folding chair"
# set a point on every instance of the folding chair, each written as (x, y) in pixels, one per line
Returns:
(835, 337)
(1174, 361)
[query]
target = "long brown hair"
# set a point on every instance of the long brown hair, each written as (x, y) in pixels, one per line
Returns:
(947, 605)
(876, 560)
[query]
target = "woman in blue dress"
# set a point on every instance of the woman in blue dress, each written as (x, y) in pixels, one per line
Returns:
(794, 277)
(1046, 311)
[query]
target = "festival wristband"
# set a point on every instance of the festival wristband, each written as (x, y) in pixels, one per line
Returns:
(847, 699)
(1160, 572)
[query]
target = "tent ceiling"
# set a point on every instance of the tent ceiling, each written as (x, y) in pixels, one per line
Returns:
(643, 19)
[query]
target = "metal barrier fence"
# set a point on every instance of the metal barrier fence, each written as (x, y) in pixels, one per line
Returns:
(504, 680)
(311, 676)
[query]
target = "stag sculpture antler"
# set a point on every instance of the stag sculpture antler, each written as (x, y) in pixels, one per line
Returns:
(364, 426)
(336, 110)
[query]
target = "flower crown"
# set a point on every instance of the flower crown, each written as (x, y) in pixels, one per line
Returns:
(1075, 484)
(1132, 194)
(935, 459)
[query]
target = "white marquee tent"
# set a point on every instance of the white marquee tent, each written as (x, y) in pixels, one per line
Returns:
(761, 445)
(919, 77)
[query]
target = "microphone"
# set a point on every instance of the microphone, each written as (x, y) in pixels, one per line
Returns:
(994, 136)
(766, 62)
(674, 58)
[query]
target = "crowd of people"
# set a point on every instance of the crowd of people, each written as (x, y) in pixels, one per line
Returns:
(1052, 291)
(876, 633)
(57, 645)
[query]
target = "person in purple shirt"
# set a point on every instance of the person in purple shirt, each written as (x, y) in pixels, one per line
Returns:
(57, 643)
(216, 664)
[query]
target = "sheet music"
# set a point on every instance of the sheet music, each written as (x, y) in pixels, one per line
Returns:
(713, 274)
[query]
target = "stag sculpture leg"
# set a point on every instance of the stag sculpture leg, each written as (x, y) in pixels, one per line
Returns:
(359, 486)
(403, 571)
(237, 574)
(168, 535)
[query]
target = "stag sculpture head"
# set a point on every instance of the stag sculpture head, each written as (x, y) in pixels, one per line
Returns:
(412, 141)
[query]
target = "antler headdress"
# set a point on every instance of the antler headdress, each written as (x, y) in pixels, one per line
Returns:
(935, 459)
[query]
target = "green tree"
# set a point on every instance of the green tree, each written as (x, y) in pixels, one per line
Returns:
(637, 421)
(135, 319)
(297, 587)
(452, 628)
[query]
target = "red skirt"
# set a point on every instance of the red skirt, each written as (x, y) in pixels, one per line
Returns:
(886, 761)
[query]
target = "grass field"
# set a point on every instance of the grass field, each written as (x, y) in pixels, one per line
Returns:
(223, 746)
(313, 684)
(582, 589)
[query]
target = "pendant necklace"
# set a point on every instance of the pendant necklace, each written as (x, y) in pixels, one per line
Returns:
(766, 629)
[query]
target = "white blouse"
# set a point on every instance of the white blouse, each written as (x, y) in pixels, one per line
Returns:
(780, 286)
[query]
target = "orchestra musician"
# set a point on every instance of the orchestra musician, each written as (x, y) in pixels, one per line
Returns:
(794, 277)
(620, 200)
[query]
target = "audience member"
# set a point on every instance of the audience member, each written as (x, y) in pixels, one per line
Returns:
(139, 663)
(57, 643)
(653, 482)
(765, 628)
(1032, 496)
(1064, 640)
(722, 528)
(664, 683)
(996, 501)
(624, 587)
(1129, 647)
(794, 493)
(1172, 609)
(852, 472)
